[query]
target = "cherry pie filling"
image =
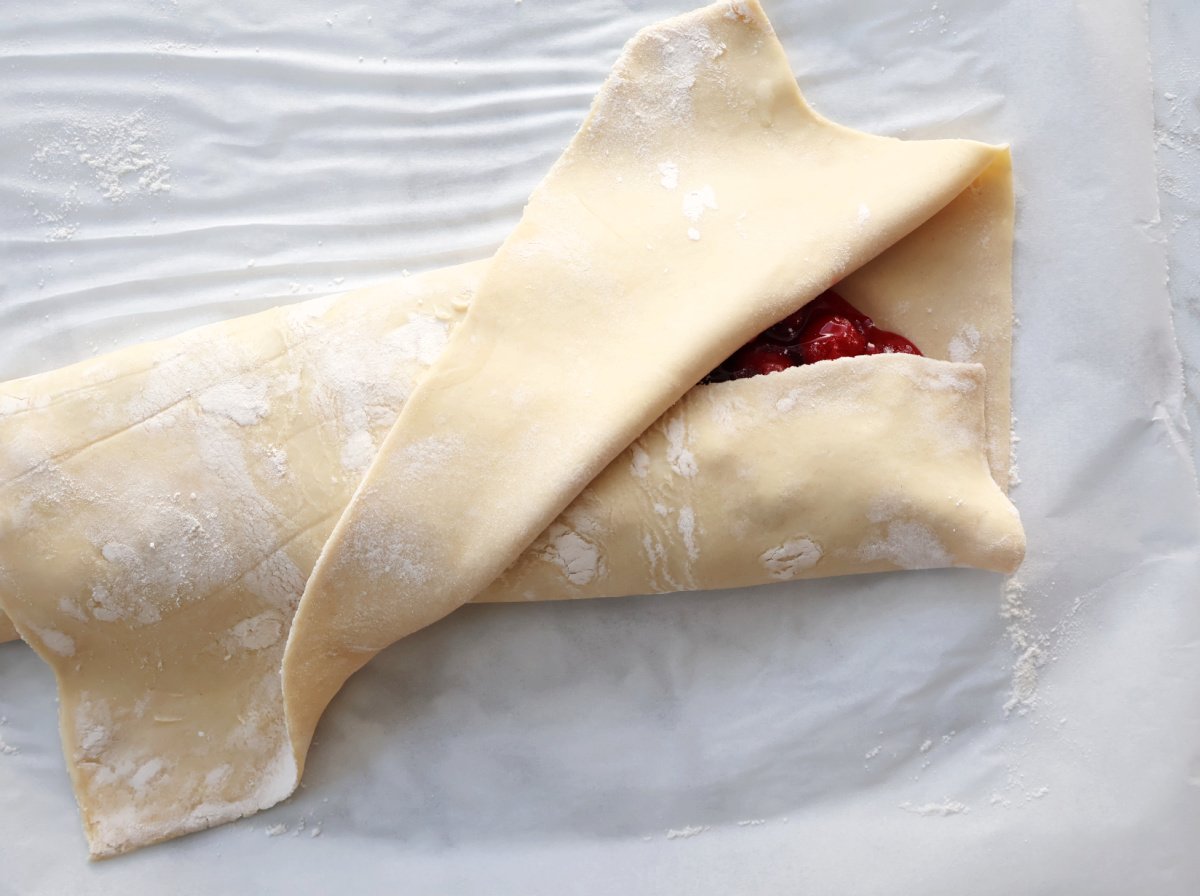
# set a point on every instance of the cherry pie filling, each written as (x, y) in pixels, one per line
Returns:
(826, 328)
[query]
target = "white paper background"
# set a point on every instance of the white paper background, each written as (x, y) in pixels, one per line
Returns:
(552, 748)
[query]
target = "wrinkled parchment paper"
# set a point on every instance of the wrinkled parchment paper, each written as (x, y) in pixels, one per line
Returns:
(171, 163)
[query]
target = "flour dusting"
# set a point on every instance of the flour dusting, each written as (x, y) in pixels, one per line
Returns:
(652, 82)
(640, 461)
(113, 159)
(5, 748)
(245, 403)
(686, 523)
(257, 632)
(669, 175)
(579, 559)
(358, 451)
(679, 455)
(56, 641)
(1029, 645)
(93, 726)
(907, 544)
(739, 11)
(964, 345)
(943, 809)
(146, 772)
(791, 558)
(422, 338)
(696, 202)
(1014, 475)
(277, 461)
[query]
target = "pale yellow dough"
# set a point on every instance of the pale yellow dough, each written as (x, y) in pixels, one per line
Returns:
(513, 429)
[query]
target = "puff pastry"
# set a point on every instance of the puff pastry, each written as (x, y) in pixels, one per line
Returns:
(207, 535)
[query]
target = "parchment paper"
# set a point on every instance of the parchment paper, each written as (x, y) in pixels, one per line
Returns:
(166, 164)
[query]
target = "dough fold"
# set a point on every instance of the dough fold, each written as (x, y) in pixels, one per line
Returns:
(297, 489)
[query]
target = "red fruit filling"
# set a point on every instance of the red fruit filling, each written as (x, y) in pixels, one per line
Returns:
(826, 328)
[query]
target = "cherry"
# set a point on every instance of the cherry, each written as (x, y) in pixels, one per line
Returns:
(830, 336)
(830, 304)
(788, 330)
(825, 329)
(884, 342)
(760, 358)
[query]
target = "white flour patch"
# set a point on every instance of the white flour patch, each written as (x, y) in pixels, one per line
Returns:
(215, 777)
(697, 202)
(669, 175)
(111, 159)
(579, 560)
(942, 380)
(909, 545)
(146, 773)
(421, 339)
(103, 606)
(277, 461)
(277, 580)
(93, 727)
(791, 558)
(943, 809)
(257, 632)
(935, 19)
(964, 345)
(1014, 475)
(738, 11)
(640, 461)
(652, 83)
(1029, 646)
(679, 455)
(10, 404)
(68, 607)
(245, 403)
(7, 749)
(56, 641)
(657, 560)
(115, 552)
(358, 452)
(686, 523)
(728, 411)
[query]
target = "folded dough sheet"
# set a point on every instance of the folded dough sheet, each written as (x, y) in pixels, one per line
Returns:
(206, 536)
